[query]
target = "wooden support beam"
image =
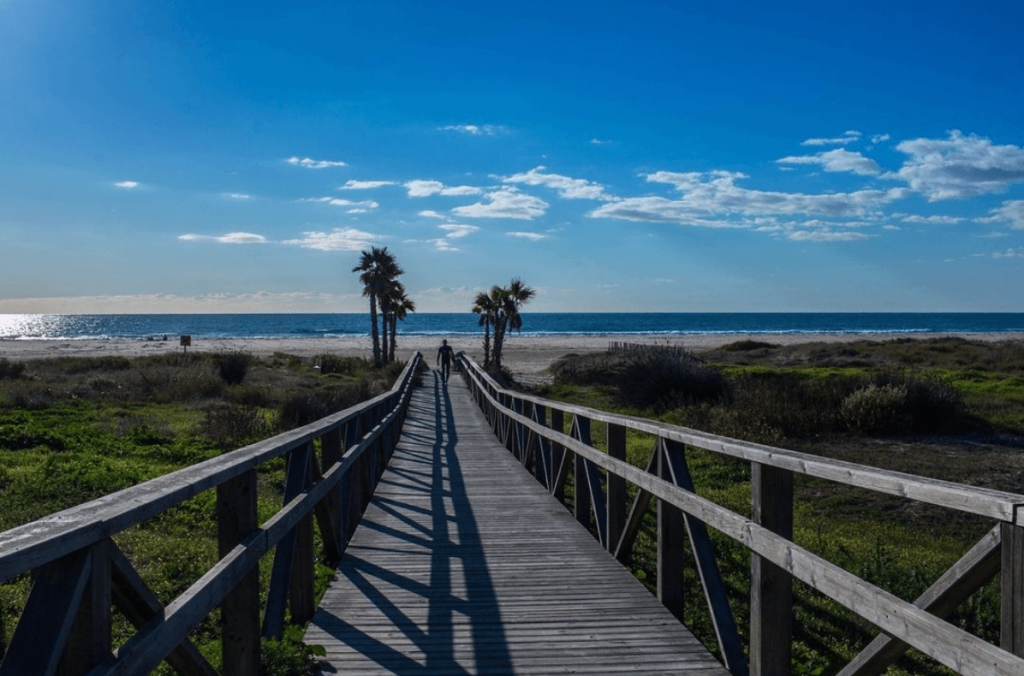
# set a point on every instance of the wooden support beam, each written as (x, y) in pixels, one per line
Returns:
(671, 546)
(729, 642)
(581, 486)
(140, 605)
(972, 572)
(89, 641)
(284, 554)
(330, 453)
(45, 623)
(616, 488)
(240, 610)
(771, 588)
(559, 468)
(641, 502)
(1011, 632)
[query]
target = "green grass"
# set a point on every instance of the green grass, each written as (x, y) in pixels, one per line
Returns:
(72, 430)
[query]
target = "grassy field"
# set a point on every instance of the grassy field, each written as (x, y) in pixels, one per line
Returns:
(950, 409)
(72, 430)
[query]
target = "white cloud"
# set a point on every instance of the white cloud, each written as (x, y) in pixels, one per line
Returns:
(237, 196)
(569, 188)
(713, 199)
(505, 203)
(314, 164)
(847, 137)
(1009, 253)
(532, 236)
(474, 129)
(424, 188)
(338, 202)
(456, 231)
(935, 220)
(825, 236)
(339, 239)
(880, 138)
(960, 166)
(364, 185)
(1011, 212)
(229, 238)
(429, 213)
(837, 160)
(599, 142)
(128, 185)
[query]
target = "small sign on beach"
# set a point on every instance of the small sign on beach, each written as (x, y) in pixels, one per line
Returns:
(186, 341)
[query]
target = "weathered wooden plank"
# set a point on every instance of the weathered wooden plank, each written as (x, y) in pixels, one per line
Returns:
(1011, 633)
(240, 611)
(616, 488)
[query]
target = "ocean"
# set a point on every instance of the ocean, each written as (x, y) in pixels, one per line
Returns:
(149, 326)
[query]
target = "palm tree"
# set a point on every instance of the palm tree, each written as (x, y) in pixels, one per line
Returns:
(487, 307)
(509, 300)
(401, 306)
(377, 268)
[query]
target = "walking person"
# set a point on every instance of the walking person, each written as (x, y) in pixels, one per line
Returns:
(445, 354)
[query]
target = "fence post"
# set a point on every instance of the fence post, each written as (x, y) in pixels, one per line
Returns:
(581, 488)
(671, 544)
(616, 500)
(557, 454)
(1011, 633)
(89, 641)
(771, 588)
(240, 611)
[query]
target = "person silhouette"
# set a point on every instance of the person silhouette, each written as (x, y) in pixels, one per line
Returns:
(445, 353)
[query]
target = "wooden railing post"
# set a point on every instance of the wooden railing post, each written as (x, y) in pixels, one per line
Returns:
(240, 610)
(89, 641)
(616, 498)
(581, 487)
(557, 456)
(771, 588)
(671, 545)
(1011, 633)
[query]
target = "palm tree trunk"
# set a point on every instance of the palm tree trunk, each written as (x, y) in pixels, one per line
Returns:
(487, 342)
(394, 341)
(384, 338)
(374, 335)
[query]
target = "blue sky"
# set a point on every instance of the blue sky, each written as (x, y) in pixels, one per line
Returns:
(160, 156)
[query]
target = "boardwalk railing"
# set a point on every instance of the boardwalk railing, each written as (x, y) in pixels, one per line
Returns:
(80, 574)
(532, 428)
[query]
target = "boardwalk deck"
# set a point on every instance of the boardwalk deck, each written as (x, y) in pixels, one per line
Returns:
(463, 564)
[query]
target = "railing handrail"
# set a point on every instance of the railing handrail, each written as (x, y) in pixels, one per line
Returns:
(900, 619)
(75, 543)
(999, 505)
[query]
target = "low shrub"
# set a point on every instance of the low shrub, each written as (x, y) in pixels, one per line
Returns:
(232, 427)
(663, 377)
(877, 409)
(233, 367)
(11, 369)
(306, 408)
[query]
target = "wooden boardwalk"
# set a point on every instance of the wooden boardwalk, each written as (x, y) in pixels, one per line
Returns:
(463, 564)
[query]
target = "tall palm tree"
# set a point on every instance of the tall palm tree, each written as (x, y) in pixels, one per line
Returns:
(401, 306)
(487, 307)
(377, 268)
(509, 300)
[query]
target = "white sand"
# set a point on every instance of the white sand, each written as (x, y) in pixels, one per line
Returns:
(526, 356)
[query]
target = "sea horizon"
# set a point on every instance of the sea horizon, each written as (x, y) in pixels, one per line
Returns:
(328, 325)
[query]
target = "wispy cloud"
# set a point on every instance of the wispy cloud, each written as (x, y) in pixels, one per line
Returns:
(505, 203)
(714, 199)
(430, 213)
(338, 202)
(475, 129)
(838, 160)
(879, 138)
(339, 239)
(960, 166)
(1011, 213)
(532, 236)
(237, 196)
(229, 238)
(425, 188)
(932, 220)
(128, 185)
(1009, 253)
(309, 163)
(599, 142)
(846, 138)
(456, 231)
(365, 185)
(568, 188)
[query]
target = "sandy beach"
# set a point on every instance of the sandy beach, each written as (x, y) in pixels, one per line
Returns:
(526, 356)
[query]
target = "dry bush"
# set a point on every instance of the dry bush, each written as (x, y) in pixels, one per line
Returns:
(663, 377)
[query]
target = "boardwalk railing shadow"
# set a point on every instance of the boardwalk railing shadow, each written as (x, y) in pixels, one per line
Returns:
(438, 531)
